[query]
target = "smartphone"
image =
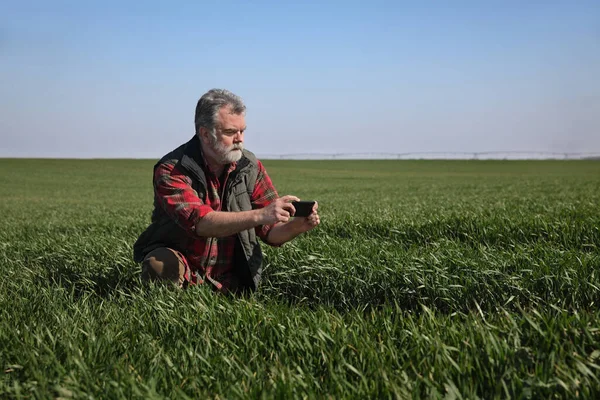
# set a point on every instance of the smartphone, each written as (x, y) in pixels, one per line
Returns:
(303, 208)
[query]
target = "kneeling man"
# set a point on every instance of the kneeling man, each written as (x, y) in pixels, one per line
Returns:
(213, 200)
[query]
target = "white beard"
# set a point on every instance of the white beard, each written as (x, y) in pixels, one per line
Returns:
(228, 155)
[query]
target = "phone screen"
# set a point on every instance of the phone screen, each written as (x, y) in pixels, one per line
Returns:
(303, 208)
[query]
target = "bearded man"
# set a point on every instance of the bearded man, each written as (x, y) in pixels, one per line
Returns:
(213, 200)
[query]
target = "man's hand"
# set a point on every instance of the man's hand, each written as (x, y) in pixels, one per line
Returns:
(305, 224)
(286, 231)
(279, 210)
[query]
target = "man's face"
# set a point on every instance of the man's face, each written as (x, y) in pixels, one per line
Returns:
(229, 130)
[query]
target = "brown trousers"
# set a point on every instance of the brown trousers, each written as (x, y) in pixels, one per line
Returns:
(164, 264)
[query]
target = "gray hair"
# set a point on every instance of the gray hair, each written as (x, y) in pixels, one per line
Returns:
(209, 105)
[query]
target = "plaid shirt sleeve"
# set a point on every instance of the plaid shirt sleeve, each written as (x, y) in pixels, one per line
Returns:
(264, 193)
(175, 194)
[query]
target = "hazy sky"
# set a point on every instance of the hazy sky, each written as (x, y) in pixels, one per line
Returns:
(109, 79)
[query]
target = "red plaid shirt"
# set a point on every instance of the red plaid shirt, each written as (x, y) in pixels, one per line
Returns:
(212, 258)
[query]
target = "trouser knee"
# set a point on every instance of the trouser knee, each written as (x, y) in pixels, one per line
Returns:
(164, 264)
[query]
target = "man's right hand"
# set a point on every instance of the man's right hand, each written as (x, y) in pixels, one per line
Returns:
(279, 210)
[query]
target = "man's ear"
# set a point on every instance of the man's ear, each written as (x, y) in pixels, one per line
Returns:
(203, 134)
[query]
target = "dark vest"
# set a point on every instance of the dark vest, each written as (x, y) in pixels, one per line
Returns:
(164, 232)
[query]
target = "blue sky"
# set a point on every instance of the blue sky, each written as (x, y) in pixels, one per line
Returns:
(121, 79)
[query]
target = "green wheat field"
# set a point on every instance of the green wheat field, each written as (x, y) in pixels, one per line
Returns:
(425, 279)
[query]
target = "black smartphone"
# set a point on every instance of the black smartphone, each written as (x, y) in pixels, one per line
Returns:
(303, 208)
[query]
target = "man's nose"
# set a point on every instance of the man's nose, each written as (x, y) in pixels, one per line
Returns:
(239, 136)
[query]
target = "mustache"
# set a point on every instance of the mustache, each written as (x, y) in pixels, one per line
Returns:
(237, 146)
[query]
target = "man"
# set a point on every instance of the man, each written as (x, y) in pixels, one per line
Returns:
(213, 200)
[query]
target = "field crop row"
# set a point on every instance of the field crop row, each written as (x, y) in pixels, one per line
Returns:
(425, 279)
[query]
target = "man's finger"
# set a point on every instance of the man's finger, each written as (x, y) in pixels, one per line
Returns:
(289, 207)
(289, 198)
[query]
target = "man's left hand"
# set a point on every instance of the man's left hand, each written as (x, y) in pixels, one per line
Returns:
(305, 224)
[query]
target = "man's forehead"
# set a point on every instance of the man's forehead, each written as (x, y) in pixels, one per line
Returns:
(227, 117)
